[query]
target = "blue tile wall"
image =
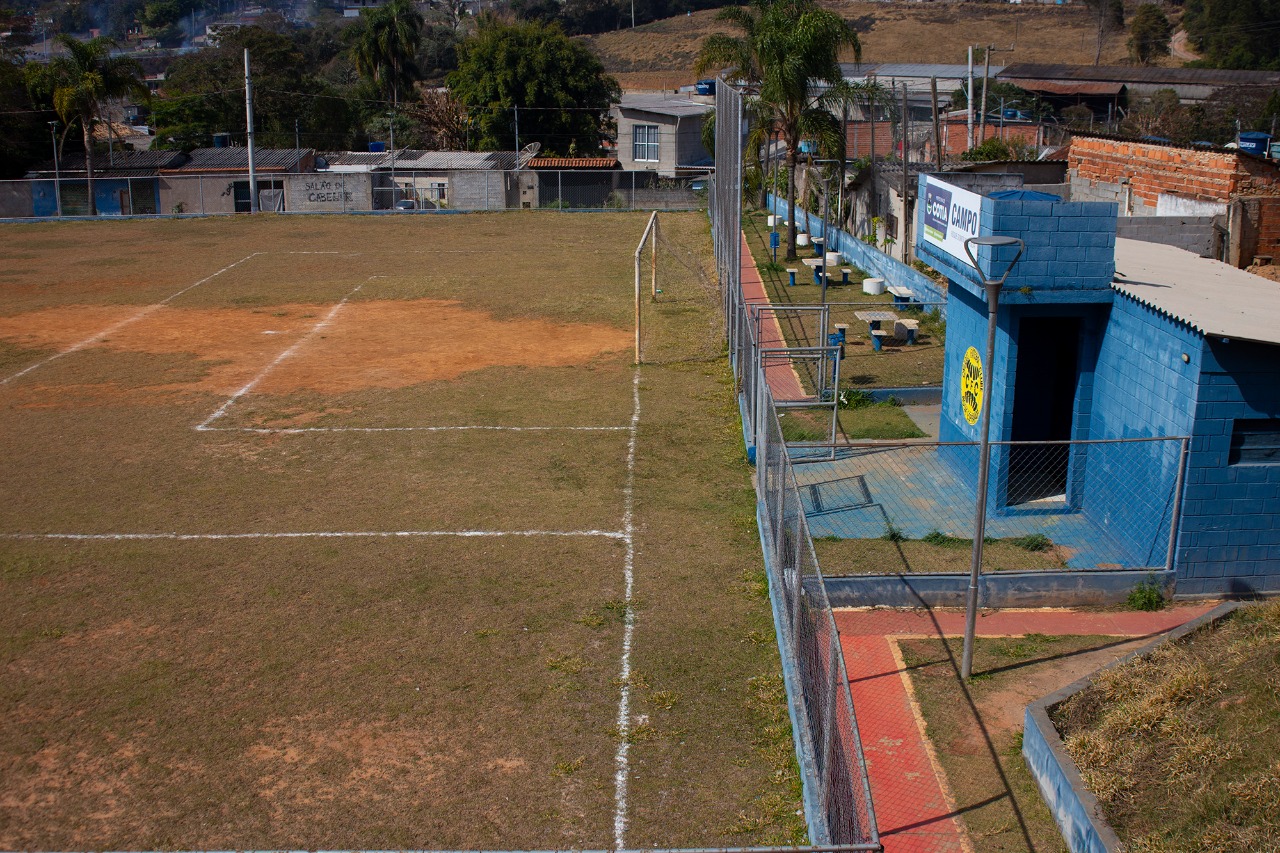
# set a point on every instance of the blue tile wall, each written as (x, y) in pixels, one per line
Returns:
(1229, 542)
(1069, 254)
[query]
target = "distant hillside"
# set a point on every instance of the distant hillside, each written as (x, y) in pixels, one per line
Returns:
(661, 55)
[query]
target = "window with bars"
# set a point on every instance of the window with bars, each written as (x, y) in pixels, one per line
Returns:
(644, 143)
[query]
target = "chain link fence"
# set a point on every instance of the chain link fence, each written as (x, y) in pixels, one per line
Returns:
(354, 192)
(837, 790)
(1066, 505)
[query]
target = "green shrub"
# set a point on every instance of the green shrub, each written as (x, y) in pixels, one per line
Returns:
(1147, 595)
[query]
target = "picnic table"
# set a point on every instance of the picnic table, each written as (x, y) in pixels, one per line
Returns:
(873, 319)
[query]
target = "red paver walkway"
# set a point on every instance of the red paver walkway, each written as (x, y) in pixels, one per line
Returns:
(910, 801)
(782, 379)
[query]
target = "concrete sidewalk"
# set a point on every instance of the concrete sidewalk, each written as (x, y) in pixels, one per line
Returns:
(913, 807)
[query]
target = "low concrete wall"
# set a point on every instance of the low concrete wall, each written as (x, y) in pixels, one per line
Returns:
(996, 589)
(1193, 233)
(1074, 807)
(867, 257)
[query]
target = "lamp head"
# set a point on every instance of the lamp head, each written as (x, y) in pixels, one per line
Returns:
(995, 241)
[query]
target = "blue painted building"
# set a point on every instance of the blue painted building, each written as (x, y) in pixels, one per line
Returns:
(1101, 339)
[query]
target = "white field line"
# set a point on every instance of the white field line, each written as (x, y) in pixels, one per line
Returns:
(621, 761)
(310, 534)
(328, 318)
(112, 329)
(300, 430)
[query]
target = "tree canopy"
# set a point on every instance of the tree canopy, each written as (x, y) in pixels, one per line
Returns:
(785, 47)
(79, 82)
(533, 75)
(1235, 33)
(385, 50)
(206, 96)
(1149, 33)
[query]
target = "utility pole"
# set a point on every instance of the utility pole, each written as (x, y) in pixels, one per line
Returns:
(969, 98)
(296, 137)
(906, 142)
(391, 131)
(57, 169)
(986, 74)
(937, 129)
(248, 111)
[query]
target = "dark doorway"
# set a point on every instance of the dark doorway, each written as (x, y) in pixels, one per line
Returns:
(1043, 406)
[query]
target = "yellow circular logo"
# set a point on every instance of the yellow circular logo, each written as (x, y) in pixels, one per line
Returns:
(971, 385)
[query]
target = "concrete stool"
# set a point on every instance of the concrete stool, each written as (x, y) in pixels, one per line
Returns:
(791, 277)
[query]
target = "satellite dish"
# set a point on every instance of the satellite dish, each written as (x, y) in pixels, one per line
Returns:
(527, 153)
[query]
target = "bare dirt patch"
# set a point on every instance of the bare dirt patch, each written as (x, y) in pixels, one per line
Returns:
(376, 344)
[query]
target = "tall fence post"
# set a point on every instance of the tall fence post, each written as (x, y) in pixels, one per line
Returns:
(1175, 519)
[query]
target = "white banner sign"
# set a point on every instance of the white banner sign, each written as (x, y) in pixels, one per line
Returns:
(951, 216)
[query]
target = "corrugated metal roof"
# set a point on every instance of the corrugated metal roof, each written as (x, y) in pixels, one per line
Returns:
(453, 161)
(918, 70)
(1131, 74)
(1214, 298)
(266, 159)
(573, 163)
(123, 164)
(354, 158)
(666, 105)
(1068, 87)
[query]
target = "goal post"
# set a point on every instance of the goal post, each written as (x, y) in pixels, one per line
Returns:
(650, 234)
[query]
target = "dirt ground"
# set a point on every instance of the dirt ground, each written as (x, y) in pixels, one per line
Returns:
(661, 55)
(976, 730)
(233, 640)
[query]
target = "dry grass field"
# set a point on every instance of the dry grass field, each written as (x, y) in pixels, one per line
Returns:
(364, 532)
(661, 55)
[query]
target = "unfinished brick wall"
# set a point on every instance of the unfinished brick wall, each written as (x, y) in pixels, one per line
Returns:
(1152, 169)
(1269, 227)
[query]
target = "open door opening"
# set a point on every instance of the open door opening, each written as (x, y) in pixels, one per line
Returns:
(1048, 374)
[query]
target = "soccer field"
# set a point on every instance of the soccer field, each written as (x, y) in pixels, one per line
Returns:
(366, 533)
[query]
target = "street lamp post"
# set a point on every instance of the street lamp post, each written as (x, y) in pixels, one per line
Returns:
(992, 287)
(57, 169)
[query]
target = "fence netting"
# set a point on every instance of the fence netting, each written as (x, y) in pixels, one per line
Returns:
(832, 760)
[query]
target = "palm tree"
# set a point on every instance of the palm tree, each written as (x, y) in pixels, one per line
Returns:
(80, 82)
(786, 47)
(385, 50)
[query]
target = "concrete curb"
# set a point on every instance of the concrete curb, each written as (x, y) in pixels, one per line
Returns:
(1082, 588)
(1075, 809)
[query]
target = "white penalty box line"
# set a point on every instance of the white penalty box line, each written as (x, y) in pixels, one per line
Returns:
(313, 534)
(117, 326)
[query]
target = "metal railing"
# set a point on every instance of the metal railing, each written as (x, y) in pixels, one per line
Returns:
(353, 192)
(838, 802)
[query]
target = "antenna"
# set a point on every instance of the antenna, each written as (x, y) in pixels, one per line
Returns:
(526, 154)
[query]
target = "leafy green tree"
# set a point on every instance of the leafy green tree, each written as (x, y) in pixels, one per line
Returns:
(1149, 34)
(788, 46)
(24, 137)
(1235, 33)
(385, 51)
(79, 82)
(204, 96)
(532, 73)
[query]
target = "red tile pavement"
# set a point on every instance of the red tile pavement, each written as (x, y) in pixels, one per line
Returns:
(910, 797)
(782, 378)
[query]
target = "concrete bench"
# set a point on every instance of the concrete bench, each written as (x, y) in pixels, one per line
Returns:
(906, 330)
(877, 339)
(902, 296)
(791, 276)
